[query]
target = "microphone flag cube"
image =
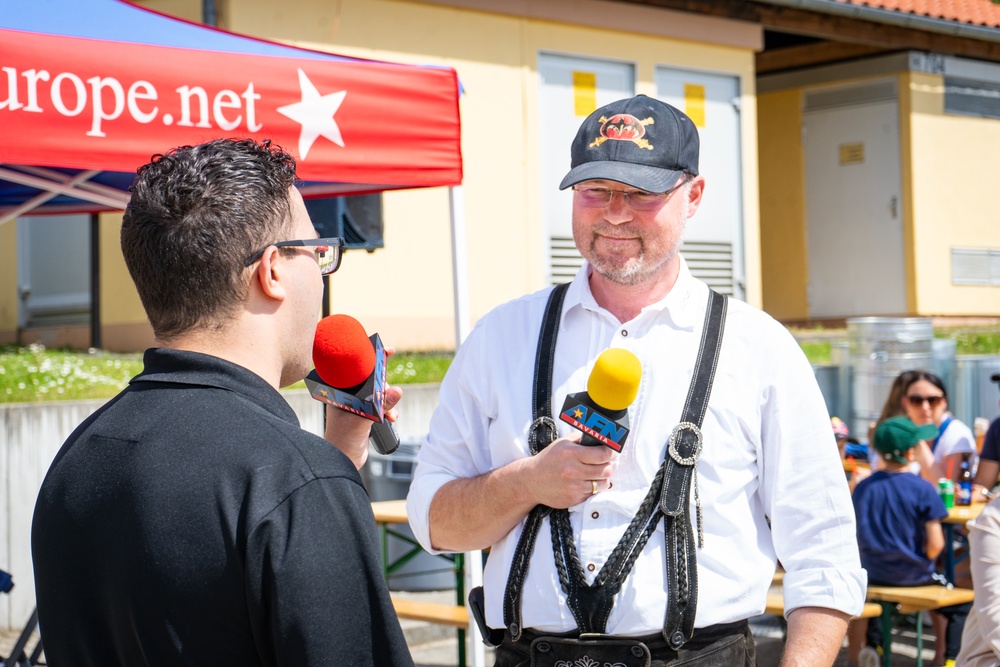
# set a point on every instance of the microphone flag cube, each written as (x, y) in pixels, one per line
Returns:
(366, 399)
(599, 425)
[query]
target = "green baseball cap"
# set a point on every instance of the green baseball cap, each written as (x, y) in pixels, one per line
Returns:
(898, 435)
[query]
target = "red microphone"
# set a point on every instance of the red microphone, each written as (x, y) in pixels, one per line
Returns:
(350, 375)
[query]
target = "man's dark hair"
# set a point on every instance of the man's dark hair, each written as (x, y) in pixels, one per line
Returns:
(194, 216)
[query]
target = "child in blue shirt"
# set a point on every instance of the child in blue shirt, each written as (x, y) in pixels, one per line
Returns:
(899, 534)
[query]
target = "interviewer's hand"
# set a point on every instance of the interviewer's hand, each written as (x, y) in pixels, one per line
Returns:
(562, 474)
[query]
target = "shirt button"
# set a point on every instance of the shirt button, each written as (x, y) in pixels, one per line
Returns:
(594, 515)
(591, 567)
(624, 333)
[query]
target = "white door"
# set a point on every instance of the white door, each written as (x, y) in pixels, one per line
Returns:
(53, 270)
(854, 218)
(571, 88)
(713, 240)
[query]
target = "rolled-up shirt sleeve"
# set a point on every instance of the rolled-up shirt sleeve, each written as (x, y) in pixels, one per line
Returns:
(455, 445)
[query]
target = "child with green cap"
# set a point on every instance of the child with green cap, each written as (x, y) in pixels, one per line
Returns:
(899, 534)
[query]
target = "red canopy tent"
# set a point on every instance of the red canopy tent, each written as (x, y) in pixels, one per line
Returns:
(91, 89)
(101, 85)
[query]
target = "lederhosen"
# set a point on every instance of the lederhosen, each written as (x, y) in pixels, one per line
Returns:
(669, 497)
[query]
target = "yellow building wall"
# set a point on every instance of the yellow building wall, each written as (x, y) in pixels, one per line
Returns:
(954, 181)
(124, 326)
(496, 59)
(783, 250)
(947, 174)
(405, 290)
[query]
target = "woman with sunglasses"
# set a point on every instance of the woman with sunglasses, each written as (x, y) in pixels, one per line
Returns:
(925, 401)
(921, 396)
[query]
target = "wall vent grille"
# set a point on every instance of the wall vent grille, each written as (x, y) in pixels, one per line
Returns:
(849, 96)
(975, 266)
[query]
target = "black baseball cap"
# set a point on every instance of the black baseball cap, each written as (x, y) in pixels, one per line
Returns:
(639, 141)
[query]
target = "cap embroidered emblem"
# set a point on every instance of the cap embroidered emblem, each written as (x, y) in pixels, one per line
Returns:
(623, 127)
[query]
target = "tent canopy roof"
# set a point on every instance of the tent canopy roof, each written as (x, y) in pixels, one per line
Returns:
(91, 89)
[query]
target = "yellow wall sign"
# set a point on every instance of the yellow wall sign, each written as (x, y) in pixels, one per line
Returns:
(852, 153)
(694, 103)
(584, 93)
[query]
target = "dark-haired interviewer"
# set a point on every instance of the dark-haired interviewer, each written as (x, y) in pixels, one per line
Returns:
(191, 521)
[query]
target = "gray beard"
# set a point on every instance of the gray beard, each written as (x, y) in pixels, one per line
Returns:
(635, 273)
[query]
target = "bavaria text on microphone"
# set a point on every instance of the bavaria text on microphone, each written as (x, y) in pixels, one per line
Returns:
(609, 429)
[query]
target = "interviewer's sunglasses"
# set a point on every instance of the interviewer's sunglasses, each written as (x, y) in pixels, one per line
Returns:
(917, 401)
(328, 251)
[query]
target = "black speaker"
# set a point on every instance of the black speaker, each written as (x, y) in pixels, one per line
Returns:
(358, 219)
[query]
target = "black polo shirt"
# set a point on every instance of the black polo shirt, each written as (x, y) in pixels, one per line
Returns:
(191, 521)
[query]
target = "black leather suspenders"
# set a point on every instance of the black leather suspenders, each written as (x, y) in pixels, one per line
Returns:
(669, 497)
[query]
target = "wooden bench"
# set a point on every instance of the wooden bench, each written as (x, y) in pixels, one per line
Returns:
(432, 612)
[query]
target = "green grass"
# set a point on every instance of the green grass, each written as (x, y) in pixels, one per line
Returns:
(412, 368)
(818, 352)
(973, 341)
(33, 373)
(816, 342)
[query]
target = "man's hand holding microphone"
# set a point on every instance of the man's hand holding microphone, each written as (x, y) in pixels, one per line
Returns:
(571, 469)
(350, 379)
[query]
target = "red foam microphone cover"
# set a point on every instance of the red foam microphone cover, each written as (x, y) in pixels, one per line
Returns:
(342, 352)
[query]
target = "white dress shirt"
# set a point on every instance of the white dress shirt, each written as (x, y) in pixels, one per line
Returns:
(769, 454)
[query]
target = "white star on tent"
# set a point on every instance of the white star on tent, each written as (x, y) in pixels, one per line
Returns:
(315, 114)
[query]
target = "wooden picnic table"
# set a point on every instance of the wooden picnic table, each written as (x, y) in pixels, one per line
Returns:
(390, 511)
(393, 512)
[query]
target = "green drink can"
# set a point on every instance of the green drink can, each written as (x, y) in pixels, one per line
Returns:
(946, 489)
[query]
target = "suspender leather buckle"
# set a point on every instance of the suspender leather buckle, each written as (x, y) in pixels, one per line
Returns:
(685, 443)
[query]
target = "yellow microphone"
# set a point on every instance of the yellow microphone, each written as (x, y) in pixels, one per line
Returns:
(601, 412)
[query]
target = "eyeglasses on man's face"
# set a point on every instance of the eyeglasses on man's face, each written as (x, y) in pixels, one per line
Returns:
(593, 196)
(917, 401)
(328, 251)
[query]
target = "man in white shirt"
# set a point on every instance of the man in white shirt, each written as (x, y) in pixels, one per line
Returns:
(767, 485)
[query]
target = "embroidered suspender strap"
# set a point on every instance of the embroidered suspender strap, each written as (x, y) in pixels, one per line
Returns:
(591, 604)
(679, 469)
(541, 433)
(543, 427)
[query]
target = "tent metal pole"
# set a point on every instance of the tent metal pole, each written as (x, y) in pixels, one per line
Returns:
(67, 187)
(58, 177)
(208, 15)
(95, 281)
(459, 263)
(79, 181)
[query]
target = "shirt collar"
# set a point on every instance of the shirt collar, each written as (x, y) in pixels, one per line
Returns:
(197, 369)
(684, 304)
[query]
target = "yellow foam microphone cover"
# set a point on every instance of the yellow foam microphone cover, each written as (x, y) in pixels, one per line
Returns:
(614, 382)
